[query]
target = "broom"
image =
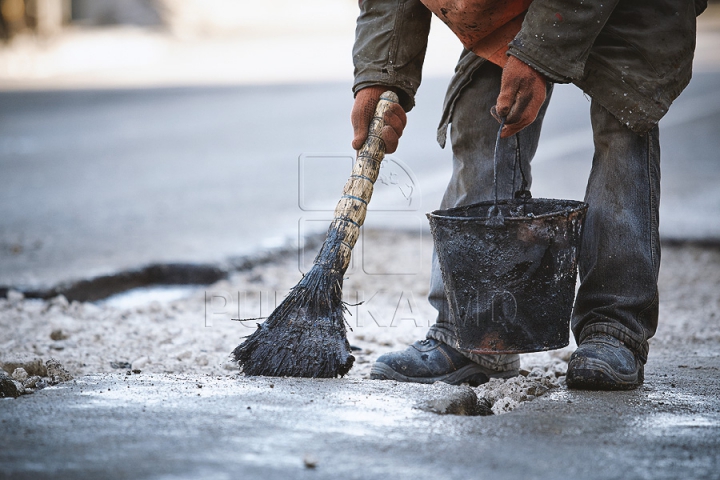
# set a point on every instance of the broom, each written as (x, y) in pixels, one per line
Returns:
(305, 335)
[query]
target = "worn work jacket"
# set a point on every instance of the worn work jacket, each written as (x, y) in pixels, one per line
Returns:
(634, 57)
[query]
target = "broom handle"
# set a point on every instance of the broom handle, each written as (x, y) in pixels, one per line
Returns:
(351, 209)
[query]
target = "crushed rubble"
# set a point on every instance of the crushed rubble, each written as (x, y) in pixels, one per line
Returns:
(8, 386)
(446, 399)
(15, 379)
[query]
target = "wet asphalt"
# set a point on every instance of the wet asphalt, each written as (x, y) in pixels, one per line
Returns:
(161, 426)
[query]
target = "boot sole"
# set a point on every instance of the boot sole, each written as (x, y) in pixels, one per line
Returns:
(592, 374)
(473, 374)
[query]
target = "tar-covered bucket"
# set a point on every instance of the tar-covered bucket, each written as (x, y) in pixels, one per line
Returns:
(510, 286)
(509, 269)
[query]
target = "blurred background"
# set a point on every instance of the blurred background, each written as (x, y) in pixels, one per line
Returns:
(153, 131)
(173, 42)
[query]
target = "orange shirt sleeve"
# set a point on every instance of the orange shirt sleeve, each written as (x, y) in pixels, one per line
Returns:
(485, 27)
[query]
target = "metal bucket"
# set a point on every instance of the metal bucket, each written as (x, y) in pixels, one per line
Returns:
(509, 270)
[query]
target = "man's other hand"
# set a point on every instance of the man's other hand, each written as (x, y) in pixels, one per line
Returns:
(362, 113)
(522, 93)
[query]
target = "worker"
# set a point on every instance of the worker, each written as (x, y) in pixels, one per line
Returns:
(632, 59)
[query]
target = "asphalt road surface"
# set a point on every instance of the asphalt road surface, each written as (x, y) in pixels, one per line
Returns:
(176, 427)
(93, 182)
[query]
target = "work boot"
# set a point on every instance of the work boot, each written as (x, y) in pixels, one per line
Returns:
(602, 362)
(429, 361)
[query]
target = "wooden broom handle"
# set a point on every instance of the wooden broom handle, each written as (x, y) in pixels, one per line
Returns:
(351, 209)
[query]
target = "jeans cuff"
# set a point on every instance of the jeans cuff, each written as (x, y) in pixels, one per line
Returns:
(498, 363)
(639, 346)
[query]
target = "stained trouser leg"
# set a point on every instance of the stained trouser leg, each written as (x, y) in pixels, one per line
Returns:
(473, 136)
(620, 252)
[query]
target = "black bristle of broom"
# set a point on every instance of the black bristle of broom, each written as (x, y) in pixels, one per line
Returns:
(305, 336)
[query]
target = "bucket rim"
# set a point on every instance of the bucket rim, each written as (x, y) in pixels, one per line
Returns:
(575, 206)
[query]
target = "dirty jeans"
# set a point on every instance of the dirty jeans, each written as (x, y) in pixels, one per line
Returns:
(620, 253)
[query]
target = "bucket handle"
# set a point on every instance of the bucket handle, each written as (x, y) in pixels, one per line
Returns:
(495, 217)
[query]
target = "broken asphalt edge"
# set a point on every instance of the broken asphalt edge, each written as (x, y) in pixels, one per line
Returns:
(103, 286)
